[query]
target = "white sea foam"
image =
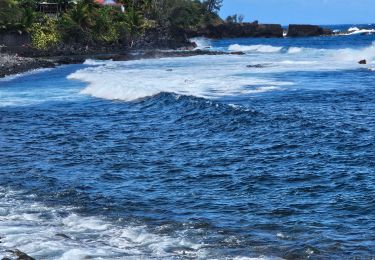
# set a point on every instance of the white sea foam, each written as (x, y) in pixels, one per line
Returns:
(58, 233)
(362, 31)
(357, 31)
(202, 43)
(264, 48)
(254, 48)
(93, 62)
(203, 76)
(292, 50)
(353, 29)
(213, 76)
(354, 55)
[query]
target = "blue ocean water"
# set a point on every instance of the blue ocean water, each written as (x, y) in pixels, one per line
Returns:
(263, 156)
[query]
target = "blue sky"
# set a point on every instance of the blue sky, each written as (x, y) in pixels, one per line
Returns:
(302, 11)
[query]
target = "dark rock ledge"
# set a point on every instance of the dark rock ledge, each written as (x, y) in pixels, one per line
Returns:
(18, 255)
(13, 64)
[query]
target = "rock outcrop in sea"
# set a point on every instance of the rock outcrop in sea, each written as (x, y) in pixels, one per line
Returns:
(238, 30)
(304, 30)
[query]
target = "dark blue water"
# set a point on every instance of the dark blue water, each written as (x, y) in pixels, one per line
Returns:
(287, 174)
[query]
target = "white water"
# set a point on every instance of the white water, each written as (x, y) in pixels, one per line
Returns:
(203, 76)
(33, 227)
(213, 76)
(202, 43)
(254, 48)
(58, 233)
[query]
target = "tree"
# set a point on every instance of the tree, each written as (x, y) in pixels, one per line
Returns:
(213, 6)
(10, 14)
(241, 17)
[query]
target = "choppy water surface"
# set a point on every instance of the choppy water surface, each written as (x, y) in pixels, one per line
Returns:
(200, 157)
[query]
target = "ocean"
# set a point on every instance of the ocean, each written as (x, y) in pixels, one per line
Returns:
(267, 155)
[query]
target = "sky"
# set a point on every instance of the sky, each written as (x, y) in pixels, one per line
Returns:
(302, 11)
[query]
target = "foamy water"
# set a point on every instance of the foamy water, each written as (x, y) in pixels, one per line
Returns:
(137, 79)
(228, 166)
(213, 76)
(59, 233)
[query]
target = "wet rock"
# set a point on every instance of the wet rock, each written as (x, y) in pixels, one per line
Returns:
(257, 66)
(156, 54)
(362, 62)
(304, 30)
(20, 255)
(62, 235)
(13, 64)
(238, 30)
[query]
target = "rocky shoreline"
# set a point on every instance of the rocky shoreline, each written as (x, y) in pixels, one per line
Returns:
(13, 64)
(17, 57)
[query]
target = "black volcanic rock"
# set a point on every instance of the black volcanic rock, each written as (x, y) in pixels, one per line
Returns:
(13, 64)
(304, 30)
(238, 30)
(362, 62)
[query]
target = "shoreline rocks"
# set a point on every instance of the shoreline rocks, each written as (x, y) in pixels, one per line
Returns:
(14, 64)
(257, 30)
(307, 30)
(238, 30)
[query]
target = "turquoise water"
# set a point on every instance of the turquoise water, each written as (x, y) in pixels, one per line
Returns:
(194, 158)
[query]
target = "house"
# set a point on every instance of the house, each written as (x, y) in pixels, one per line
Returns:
(54, 8)
(50, 9)
(110, 3)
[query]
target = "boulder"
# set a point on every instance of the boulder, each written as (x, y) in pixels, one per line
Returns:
(19, 254)
(362, 62)
(257, 66)
(305, 30)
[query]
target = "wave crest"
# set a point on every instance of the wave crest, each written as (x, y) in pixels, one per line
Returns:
(254, 48)
(133, 80)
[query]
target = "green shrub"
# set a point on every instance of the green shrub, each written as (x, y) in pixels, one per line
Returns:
(45, 35)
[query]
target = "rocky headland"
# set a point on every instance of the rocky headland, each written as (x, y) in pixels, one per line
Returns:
(238, 30)
(16, 55)
(306, 30)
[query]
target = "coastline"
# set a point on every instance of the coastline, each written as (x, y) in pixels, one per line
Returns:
(13, 64)
(21, 57)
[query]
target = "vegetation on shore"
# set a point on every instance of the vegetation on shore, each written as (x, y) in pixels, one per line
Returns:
(87, 23)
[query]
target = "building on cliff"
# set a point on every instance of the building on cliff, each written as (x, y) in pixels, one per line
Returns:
(50, 9)
(111, 3)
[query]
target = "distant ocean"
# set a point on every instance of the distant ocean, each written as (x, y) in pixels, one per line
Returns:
(267, 155)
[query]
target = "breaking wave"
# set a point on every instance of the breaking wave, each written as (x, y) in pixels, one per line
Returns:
(354, 55)
(211, 77)
(357, 31)
(139, 79)
(254, 48)
(202, 43)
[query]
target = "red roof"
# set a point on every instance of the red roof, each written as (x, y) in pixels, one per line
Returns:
(106, 2)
